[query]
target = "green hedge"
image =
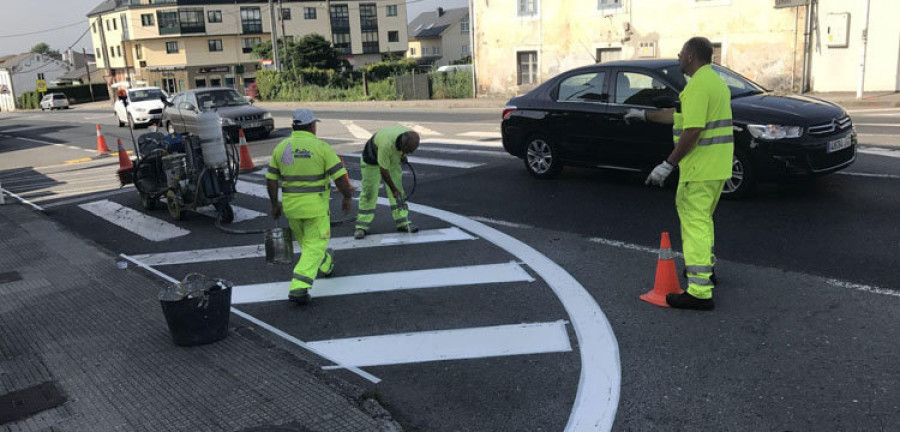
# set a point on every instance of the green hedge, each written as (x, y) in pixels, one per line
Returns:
(385, 69)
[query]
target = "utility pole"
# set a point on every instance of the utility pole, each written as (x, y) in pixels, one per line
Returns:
(87, 69)
(862, 54)
(274, 34)
(283, 31)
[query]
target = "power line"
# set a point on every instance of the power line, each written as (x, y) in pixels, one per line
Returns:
(43, 31)
(79, 38)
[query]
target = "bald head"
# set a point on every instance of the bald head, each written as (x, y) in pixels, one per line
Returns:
(696, 53)
(409, 142)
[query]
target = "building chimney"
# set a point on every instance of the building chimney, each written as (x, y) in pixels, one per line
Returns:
(440, 12)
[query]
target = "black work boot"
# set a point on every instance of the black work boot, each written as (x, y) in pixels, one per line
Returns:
(409, 228)
(299, 296)
(687, 301)
(712, 278)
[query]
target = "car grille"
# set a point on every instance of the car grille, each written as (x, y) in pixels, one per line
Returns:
(820, 160)
(248, 118)
(831, 128)
(156, 111)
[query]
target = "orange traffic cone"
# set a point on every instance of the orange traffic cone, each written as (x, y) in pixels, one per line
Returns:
(102, 148)
(666, 276)
(126, 168)
(246, 159)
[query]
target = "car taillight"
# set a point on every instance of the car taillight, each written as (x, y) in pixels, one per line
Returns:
(507, 111)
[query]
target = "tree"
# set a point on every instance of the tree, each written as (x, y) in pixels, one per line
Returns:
(312, 51)
(43, 48)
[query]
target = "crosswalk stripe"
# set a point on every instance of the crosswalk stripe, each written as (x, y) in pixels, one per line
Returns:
(148, 227)
(339, 243)
(422, 130)
(450, 150)
(482, 134)
(880, 152)
(443, 162)
(240, 214)
(356, 130)
(439, 141)
(253, 189)
(381, 282)
(442, 345)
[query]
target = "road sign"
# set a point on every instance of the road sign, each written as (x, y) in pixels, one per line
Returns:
(790, 3)
(41, 85)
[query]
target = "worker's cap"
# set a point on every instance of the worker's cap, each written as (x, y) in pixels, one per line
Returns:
(303, 117)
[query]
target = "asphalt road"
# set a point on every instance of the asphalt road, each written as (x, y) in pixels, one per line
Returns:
(803, 337)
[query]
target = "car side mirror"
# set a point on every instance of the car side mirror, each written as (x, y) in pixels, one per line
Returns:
(665, 101)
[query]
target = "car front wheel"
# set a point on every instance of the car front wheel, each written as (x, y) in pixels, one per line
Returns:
(542, 158)
(743, 177)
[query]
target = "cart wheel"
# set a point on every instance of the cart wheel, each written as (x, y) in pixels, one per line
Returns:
(175, 209)
(224, 212)
(148, 202)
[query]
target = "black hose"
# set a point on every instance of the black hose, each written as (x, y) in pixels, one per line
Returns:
(415, 182)
(236, 231)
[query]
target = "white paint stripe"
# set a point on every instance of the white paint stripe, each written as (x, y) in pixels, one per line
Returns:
(69, 192)
(34, 140)
(895, 111)
(422, 130)
(499, 222)
(863, 288)
(240, 214)
(260, 323)
(253, 189)
(92, 197)
(22, 200)
(624, 245)
(148, 227)
(382, 282)
(442, 345)
(356, 130)
(858, 174)
(463, 142)
(466, 151)
(880, 152)
(597, 397)
(340, 243)
(443, 162)
(482, 134)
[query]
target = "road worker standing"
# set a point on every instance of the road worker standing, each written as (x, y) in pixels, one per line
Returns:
(704, 148)
(305, 166)
(381, 159)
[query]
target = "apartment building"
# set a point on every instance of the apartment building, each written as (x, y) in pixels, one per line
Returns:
(185, 44)
(440, 37)
(521, 43)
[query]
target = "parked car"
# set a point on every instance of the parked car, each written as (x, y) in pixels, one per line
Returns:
(145, 106)
(234, 110)
(52, 101)
(456, 68)
(576, 118)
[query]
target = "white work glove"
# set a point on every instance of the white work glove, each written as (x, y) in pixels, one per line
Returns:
(660, 174)
(634, 115)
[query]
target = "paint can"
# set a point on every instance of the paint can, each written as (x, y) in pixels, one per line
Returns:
(279, 246)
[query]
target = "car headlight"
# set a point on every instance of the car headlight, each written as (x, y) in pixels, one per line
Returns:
(140, 110)
(224, 121)
(774, 132)
(267, 116)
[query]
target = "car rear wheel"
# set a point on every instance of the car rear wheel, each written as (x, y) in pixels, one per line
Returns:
(743, 177)
(542, 158)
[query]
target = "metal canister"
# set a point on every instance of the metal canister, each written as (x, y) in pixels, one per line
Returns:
(279, 246)
(175, 166)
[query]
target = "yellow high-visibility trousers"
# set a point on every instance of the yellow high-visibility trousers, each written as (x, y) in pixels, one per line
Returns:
(696, 202)
(313, 235)
(368, 196)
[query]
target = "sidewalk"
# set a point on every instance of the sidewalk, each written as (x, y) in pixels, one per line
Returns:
(70, 318)
(869, 100)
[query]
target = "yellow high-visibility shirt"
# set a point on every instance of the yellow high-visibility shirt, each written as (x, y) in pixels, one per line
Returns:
(706, 103)
(306, 167)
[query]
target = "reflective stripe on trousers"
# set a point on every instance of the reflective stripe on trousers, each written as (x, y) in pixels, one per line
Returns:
(313, 235)
(696, 203)
(368, 196)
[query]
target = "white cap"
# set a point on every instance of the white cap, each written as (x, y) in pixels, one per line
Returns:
(303, 117)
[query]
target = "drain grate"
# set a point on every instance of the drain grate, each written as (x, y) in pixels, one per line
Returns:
(21, 404)
(10, 277)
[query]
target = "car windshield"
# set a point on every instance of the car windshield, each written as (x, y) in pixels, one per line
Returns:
(738, 85)
(145, 95)
(211, 99)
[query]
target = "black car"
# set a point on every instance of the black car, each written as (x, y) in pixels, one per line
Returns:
(235, 112)
(576, 118)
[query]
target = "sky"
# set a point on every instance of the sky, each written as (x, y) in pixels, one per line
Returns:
(30, 16)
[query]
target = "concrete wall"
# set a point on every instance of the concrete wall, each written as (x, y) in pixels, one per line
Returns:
(756, 39)
(837, 68)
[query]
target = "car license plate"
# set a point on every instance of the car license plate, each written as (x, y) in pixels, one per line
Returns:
(251, 125)
(839, 144)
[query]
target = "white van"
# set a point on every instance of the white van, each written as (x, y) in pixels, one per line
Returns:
(456, 68)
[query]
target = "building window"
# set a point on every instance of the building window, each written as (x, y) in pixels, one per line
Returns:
(286, 14)
(393, 36)
(368, 17)
(191, 21)
(171, 47)
(251, 20)
(214, 16)
(112, 52)
(215, 82)
(168, 22)
(115, 25)
(465, 50)
(99, 54)
(247, 44)
(437, 50)
(464, 25)
(392, 10)
(608, 54)
(199, 82)
(717, 53)
(527, 67)
(370, 42)
(138, 51)
(412, 51)
(609, 5)
(215, 45)
(147, 20)
(309, 13)
(527, 7)
(108, 27)
(340, 28)
(94, 26)
(119, 51)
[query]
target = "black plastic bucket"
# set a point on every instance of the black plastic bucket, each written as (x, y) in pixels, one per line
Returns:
(201, 317)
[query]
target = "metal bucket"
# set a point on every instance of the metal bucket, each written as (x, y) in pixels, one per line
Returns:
(279, 246)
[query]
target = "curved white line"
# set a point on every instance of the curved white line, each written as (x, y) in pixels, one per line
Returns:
(597, 398)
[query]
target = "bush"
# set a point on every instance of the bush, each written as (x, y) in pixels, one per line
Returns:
(385, 69)
(451, 85)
